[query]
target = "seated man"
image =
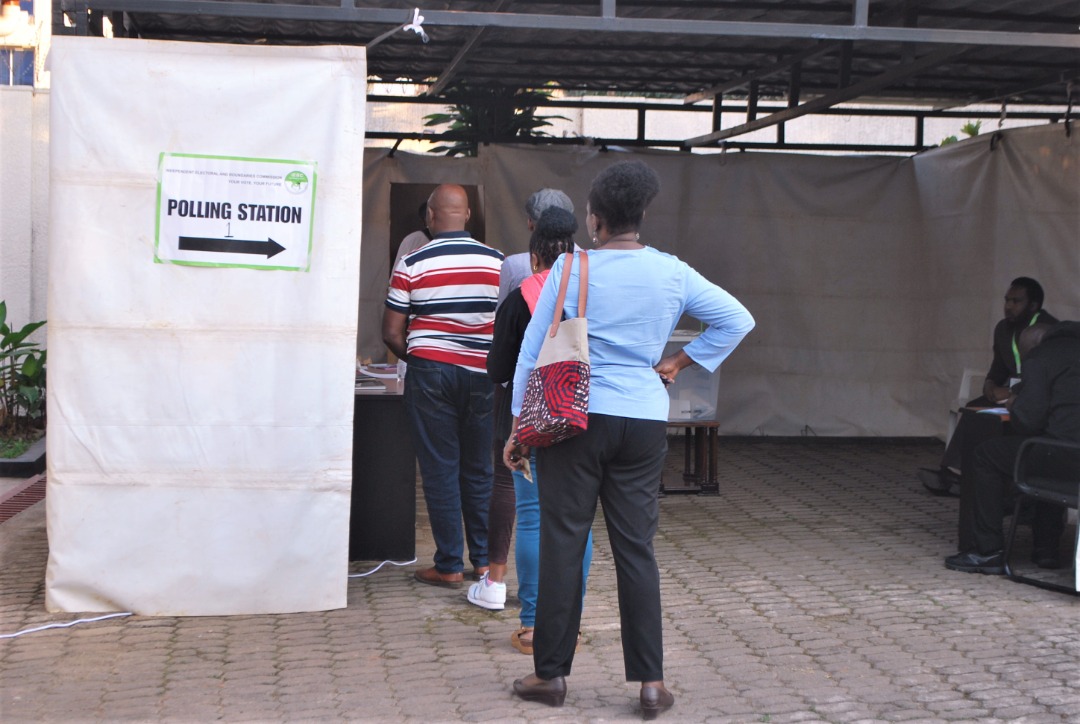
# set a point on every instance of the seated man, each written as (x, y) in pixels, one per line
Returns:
(1045, 403)
(1023, 308)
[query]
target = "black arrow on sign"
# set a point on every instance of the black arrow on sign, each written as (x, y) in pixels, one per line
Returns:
(231, 246)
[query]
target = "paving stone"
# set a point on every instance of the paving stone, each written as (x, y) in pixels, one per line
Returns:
(811, 589)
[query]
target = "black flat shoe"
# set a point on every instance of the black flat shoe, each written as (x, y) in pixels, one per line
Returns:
(655, 699)
(993, 564)
(533, 688)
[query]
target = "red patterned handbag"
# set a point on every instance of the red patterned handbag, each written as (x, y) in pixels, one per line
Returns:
(556, 404)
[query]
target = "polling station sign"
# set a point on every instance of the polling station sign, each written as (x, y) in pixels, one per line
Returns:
(228, 211)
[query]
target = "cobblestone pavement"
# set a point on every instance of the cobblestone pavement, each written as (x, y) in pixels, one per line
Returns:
(810, 589)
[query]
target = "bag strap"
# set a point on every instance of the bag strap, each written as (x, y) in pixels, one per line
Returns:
(583, 283)
(564, 283)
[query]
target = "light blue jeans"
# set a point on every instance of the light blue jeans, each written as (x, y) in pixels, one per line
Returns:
(527, 545)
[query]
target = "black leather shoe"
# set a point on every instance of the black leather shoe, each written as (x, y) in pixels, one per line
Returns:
(655, 699)
(435, 577)
(1047, 559)
(993, 564)
(532, 688)
(939, 482)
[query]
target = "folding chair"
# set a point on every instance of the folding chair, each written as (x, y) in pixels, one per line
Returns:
(971, 378)
(1064, 492)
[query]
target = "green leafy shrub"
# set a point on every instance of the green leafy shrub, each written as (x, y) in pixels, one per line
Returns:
(22, 386)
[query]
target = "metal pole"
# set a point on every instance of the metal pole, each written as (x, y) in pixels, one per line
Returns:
(861, 16)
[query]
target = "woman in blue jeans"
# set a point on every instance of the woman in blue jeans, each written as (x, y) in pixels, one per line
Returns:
(553, 235)
(527, 556)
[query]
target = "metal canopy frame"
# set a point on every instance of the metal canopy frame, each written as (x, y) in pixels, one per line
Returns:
(917, 58)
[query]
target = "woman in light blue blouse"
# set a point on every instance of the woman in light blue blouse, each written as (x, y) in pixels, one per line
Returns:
(636, 295)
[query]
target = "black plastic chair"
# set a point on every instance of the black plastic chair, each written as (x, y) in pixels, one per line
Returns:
(1064, 492)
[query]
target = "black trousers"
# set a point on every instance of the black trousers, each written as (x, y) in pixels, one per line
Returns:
(955, 449)
(617, 461)
(994, 492)
(503, 507)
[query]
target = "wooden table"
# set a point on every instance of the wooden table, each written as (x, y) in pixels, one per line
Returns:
(700, 460)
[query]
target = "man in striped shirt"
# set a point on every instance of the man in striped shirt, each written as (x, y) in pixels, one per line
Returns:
(439, 316)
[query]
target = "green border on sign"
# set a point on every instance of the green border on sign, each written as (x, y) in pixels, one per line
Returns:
(157, 215)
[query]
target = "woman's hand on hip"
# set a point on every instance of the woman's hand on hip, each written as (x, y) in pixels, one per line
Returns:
(670, 367)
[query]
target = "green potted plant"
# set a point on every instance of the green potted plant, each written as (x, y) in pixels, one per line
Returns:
(489, 113)
(969, 129)
(22, 399)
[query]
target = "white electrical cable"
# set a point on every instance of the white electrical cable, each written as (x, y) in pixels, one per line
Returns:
(128, 613)
(393, 563)
(63, 625)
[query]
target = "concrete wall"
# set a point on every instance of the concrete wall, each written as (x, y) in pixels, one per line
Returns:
(24, 203)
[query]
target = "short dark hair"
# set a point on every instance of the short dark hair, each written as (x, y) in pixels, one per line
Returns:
(1033, 288)
(553, 235)
(620, 193)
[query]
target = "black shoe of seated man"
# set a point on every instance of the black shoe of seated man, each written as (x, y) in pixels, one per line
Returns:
(939, 482)
(992, 564)
(1046, 558)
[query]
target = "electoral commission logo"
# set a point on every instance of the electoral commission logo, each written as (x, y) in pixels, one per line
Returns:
(296, 182)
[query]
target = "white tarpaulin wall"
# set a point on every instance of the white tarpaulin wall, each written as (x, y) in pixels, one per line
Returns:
(874, 280)
(200, 417)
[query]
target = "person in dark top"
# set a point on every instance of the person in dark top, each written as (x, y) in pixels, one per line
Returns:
(1023, 308)
(1045, 403)
(552, 236)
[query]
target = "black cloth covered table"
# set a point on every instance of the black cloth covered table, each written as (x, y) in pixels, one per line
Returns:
(382, 524)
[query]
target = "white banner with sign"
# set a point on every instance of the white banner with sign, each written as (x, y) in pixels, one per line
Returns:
(221, 211)
(203, 277)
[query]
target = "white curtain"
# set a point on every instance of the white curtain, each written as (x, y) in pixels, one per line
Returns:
(874, 280)
(200, 418)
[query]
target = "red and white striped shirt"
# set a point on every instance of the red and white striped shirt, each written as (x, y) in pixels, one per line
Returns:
(448, 288)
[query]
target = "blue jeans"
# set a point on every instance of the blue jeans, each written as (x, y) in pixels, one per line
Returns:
(527, 545)
(450, 412)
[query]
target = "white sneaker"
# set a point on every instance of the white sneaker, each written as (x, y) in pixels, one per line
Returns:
(488, 594)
